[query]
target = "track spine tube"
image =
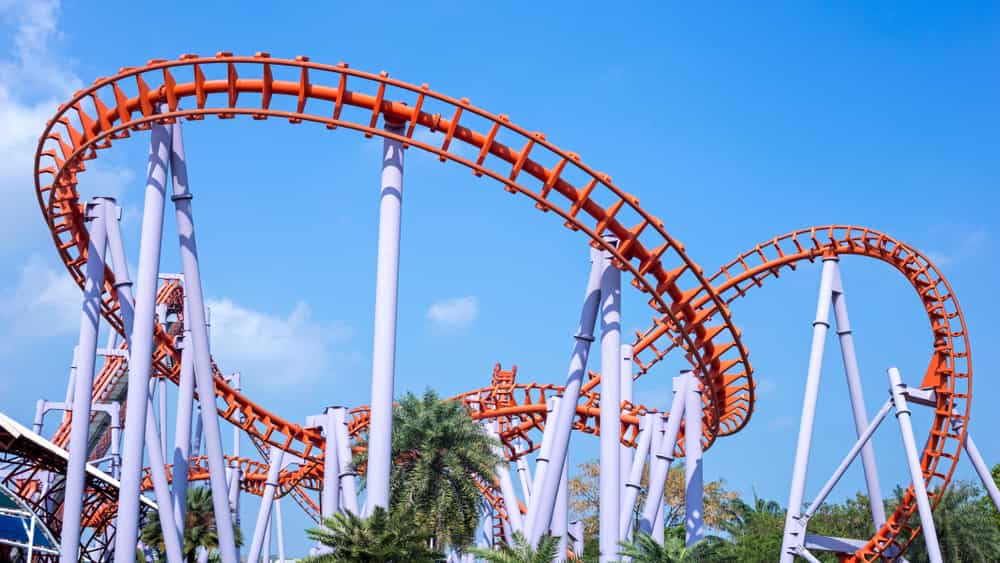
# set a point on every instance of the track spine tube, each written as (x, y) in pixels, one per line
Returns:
(78, 448)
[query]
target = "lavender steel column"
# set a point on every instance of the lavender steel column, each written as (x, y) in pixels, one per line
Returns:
(506, 484)
(161, 490)
(83, 386)
(693, 522)
(982, 470)
(330, 495)
(524, 475)
(633, 481)
(662, 455)
(141, 341)
(913, 461)
(199, 335)
(625, 464)
(384, 351)
(542, 462)
(264, 515)
(116, 248)
(611, 361)
(72, 380)
(857, 398)
(546, 484)
(161, 394)
(280, 534)
(348, 488)
(658, 527)
(182, 430)
(797, 490)
(576, 532)
(560, 515)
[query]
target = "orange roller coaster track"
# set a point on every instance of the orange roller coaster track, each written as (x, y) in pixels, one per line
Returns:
(691, 310)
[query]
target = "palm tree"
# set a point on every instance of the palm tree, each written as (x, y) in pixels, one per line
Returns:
(965, 530)
(199, 526)
(521, 551)
(439, 453)
(383, 537)
(645, 549)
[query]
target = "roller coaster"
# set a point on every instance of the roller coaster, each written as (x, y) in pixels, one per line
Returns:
(162, 318)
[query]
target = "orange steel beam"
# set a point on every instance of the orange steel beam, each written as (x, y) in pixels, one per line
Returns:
(111, 108)
(691, 310)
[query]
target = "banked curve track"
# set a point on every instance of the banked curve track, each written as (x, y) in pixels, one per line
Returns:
(692, 310)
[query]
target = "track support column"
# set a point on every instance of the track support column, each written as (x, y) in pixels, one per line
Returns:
(330, 495)
(348, 488)
(141, 342)
(546, 483)
(693, 489)
(625, 465)
(84, 382)
(662, 456)
(203, 362)
(857, 397)
(611, 361)
(384, 350)
(982, 470)
(633, 481)
(275, 458)
(797, 490)
(182, 428)
(897, 388)
(506, 483)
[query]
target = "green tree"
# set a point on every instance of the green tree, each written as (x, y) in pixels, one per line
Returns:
(585, 497)
(521, 551)
(439, 453)
(199, 526)
(383, 537)
(754, 532)
(987, 502)
(644, 549)
(966, 530)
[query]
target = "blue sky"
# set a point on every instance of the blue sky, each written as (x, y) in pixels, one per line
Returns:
(733, 123)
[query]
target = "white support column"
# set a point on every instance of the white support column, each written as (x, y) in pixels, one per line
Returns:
(982, 470)
(141, 345)
(693, 489)
(544, 487)
(506, 484)
(560, 516)
(384, 350)
(182, 428)
(662, 455)
(913, 461)
(330, 495)
(857, 397)
(625, 465)
(275, 457)
(576, 532)
(658, 521)
(798, 483)
(633, 481)
(279, 531)
(204, 381)
(83, 386)
(162, 396)
(348, 488)
(542, 460)
(524, 475)
(611, 361)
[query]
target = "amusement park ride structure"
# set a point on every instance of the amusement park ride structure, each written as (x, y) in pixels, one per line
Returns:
(162, 320)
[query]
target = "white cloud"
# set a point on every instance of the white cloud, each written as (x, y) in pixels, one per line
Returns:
(961, 243)
(275, 351)
(456, 313)
(44, 302)
(34, 80)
